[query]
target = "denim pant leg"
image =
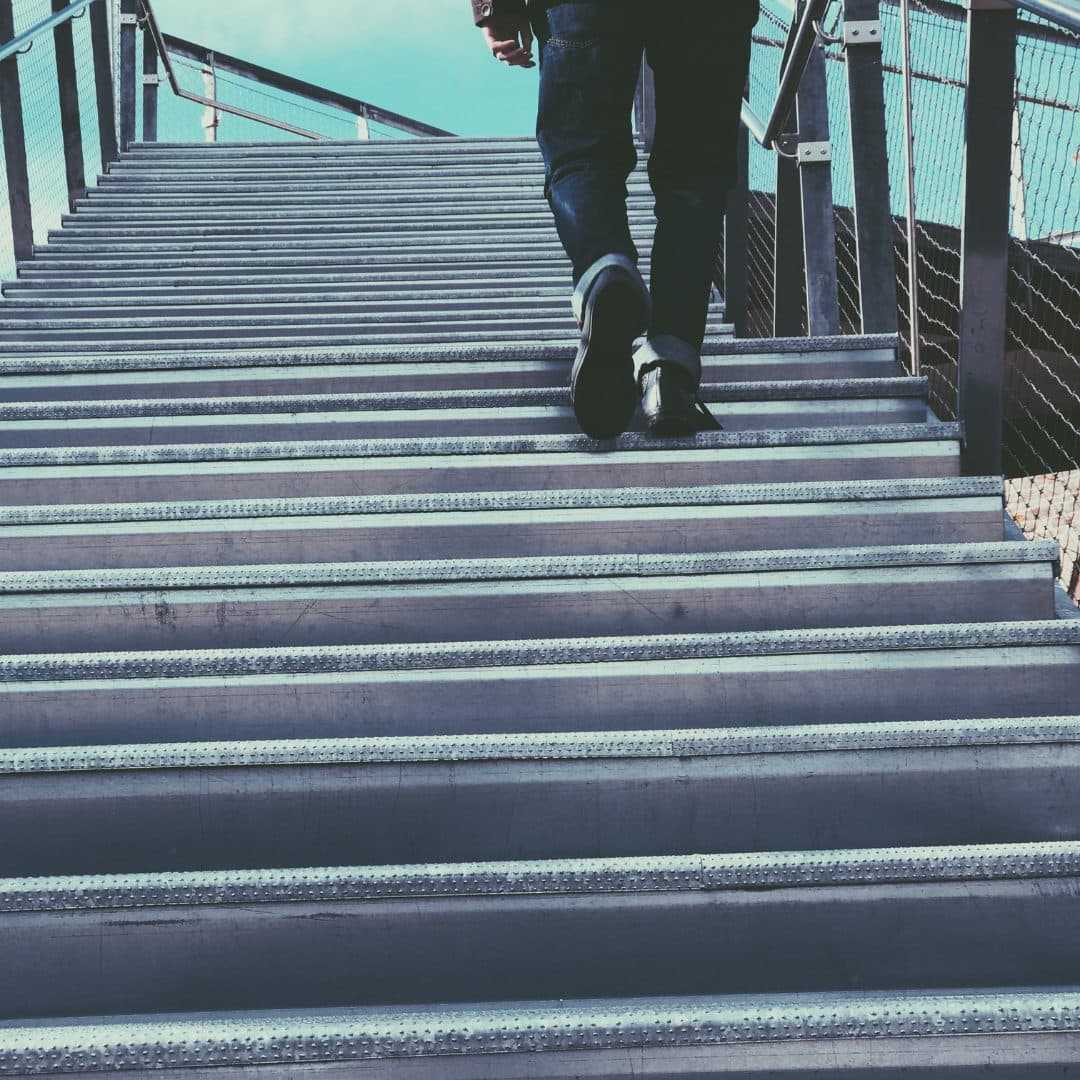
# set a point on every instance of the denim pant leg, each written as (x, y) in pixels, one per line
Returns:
(590, 55)
(700, 61)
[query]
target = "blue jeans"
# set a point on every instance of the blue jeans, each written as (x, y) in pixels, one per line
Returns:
(590, 58)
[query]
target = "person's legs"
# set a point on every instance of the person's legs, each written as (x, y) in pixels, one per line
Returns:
(700, 61)
(590, 56)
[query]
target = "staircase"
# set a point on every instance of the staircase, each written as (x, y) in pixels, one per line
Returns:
(361, 717)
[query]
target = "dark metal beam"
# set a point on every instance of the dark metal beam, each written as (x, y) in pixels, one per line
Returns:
(149, 89)
(870, 171)
(984, 240)
(129, 10)
(788, 252)
(736, 246)
(70, 121)
(103, 82)
(11, 120)
(815, 180)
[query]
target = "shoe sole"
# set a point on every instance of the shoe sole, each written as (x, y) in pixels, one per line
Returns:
(602, 386)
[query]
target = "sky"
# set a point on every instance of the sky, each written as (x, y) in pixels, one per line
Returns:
(423, 58)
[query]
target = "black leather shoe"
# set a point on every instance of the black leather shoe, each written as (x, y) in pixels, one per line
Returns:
(671, 404)
(602, 386)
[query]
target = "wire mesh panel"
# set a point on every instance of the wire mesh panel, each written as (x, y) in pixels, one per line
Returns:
(1042, 402)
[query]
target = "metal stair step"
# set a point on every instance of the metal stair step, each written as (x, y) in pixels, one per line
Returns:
(464, 333)
(902, 673)
(475, 463)
(742, 407)
(1029, 1034)
(198, 806)
(514, 524)
(538, 232)
(98, 215)
(207, 379)
(311, 295)
(227, 607)
(889, 919)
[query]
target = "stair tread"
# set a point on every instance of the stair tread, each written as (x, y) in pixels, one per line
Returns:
(622, 651)
(548, 877)
(534, 1028)
(677, 743)
(624, 568)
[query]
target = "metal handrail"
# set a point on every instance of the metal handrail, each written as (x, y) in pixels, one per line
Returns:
(22, 41)
(1063, 12)
(158, 39)
(295, 86)
(802, 42)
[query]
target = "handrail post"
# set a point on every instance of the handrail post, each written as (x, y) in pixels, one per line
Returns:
(815, 181)
(70, 123)
(736, 246)
(150, 83)
(788, 255)
(984, 236)
(129, 20)
(870, 168)
(103, 81)
(11, 120)
(211, 117)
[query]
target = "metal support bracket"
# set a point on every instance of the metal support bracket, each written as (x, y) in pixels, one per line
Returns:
(152, 80)
(862, 33)
(129, 20)
(815, 153)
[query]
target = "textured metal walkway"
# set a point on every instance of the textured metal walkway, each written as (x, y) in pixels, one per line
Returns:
(358, 716)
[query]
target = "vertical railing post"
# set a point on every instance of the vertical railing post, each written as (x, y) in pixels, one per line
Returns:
(815, 181)
(211, 117)
(645, 105)
(70, 123)
(11, 120)
(103, 81)
(984, 236)
(788, 256)
(736, 240)
(150, 82)
(129, 22)
(870, 168)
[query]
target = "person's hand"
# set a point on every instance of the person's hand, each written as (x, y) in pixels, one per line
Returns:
(510, 40)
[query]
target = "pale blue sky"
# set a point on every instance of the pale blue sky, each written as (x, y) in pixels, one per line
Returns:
(422, 58)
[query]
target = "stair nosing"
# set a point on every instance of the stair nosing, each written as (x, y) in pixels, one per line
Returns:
(162, 1042)
(623, 651)
(546, 747)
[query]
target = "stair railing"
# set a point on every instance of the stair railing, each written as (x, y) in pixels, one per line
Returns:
(59, 27)
(139, 14)
(52, 109)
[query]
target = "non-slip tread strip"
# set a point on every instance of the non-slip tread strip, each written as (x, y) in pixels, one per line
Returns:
(547, 499)
(539, 569)
(867, 434)
(538, 652)
(788, 390)
(547, 747)
(74, 361)
(555, 877)
(158, 1043)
